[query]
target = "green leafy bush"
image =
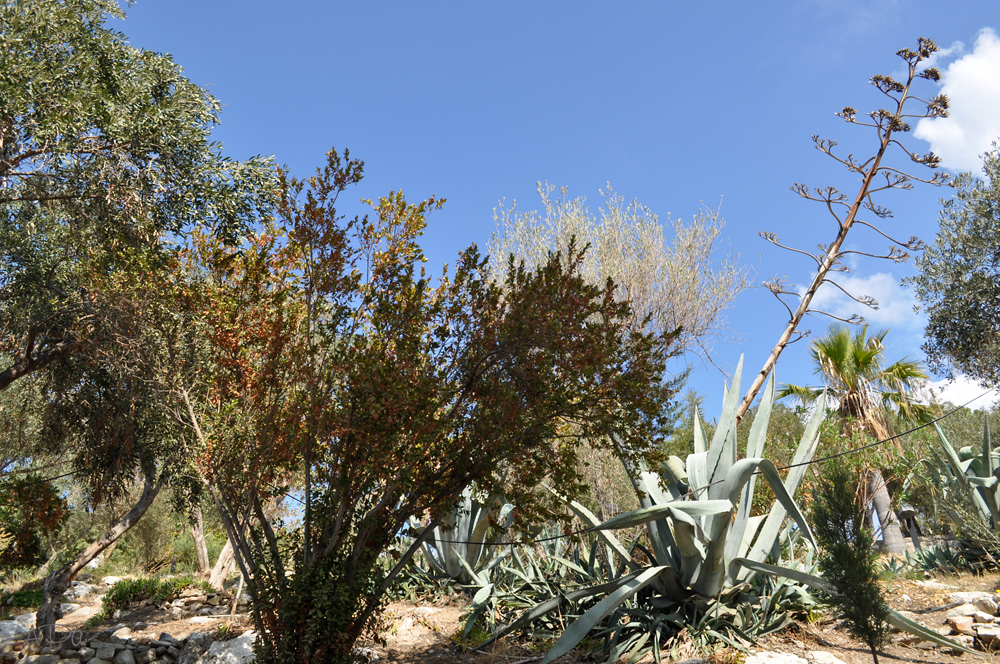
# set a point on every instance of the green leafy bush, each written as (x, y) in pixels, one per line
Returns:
(24, 598)
(130, 591)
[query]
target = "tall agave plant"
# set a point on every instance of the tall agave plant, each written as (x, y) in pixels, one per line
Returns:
(698, 519)
(458, 548)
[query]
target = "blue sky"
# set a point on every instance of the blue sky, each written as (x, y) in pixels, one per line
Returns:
(674, 104)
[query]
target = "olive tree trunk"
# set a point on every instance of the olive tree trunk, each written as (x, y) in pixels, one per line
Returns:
(58, 582)
(200, 546)
(222, 566)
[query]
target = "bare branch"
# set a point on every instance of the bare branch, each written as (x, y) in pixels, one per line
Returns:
(866, 300)
(895, 255)
(773, 239)
(853, 319)
(913, 244)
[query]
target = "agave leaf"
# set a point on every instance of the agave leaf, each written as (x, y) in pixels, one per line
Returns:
(770, 473)
(697, 470)
(662, 540)
(650, 484)
(793, 574)
(553, 603)
(676, 473)
(895, 619)
(958, 468)
(737, 543)
(592, 521)
(758, 430)
(700, 441)
(952, 456)
(571, 565)
(496, 560)
(722, 451)
(416, 527)
(579, 629)
(506, 516)
(771, 529)
(902, 622)
(477, 535)
(679, 510)
(482, 595)
(990, 497)
(983, 482)
(714, 570)
(478, 579)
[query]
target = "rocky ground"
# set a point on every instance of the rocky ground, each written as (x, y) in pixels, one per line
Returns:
(197, 629)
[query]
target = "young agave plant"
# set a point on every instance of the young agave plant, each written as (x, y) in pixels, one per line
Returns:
(458, 548)
(698, 519)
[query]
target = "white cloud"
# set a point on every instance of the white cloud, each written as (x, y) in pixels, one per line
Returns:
(895, 304)
(962, 390)
(972, 84)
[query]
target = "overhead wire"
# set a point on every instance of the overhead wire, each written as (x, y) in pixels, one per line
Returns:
(691, 491)
(695, 491)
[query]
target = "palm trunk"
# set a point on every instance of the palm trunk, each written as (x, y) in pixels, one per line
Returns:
(892, 535)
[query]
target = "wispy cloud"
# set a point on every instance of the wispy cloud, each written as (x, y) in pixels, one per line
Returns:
(961, 390)
(972, 84)
(895, 303)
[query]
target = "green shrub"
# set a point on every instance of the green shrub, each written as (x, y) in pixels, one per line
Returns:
(130, 591)
(30, 510)
(24, 599)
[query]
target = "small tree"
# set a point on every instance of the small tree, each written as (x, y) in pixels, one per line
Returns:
(671, 271)
(105, 153)
(866, 391)
(847, 558)
(105, 162)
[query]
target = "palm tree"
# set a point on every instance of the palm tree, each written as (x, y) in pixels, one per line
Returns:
(865, 392)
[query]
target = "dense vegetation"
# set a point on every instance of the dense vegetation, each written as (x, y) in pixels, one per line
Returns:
(286, 390)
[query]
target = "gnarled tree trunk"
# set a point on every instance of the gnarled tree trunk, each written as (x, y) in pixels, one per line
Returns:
(222, 566)
(58, 582)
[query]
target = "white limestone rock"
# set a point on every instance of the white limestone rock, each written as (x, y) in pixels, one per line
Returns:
(233, 651)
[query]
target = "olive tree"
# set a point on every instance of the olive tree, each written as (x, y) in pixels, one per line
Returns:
(959, 279)
(670, 271)
(105, 163)
(104, 157)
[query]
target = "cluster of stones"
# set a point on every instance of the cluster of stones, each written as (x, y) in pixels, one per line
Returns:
(974, 617)
(197, 602)
(111, 649)
(119, 648)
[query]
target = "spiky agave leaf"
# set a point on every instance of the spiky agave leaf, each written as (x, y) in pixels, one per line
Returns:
(771, 529)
